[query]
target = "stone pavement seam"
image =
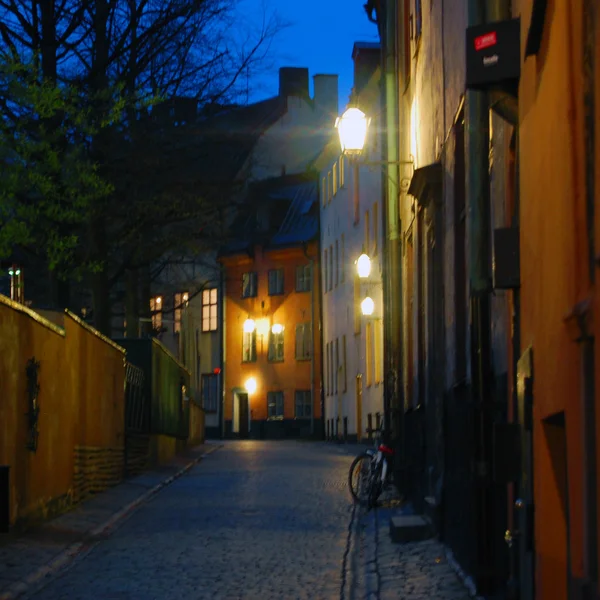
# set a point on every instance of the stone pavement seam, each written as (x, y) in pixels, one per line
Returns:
(71, 552)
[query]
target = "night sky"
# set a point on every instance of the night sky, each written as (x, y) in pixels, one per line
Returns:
(320, 35)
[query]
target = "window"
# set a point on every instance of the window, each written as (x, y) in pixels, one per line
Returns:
(209, 310)
(329, 187)
(367, 233)
(275, 346)
(337, 263)
(275, 405)
(210, 392)
(179, 301)
(331, 369)
(303, 404)
(343, 265)
(335, 179)
(344, 382)
(326, 271)
(337, 364)
(356, 195)
(303, 278)
(331, 267)
(249, 347)
(17, 289)
(418, 19)
(324, 191)
(378, 351)
(249, 285)
(327, 388)
(275, 282)
(357, 301)
(156, 312)
(369, 353)
(375, 228)
(303, 341)
(342, 172)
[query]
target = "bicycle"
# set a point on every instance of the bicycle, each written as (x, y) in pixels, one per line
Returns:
(372, 471)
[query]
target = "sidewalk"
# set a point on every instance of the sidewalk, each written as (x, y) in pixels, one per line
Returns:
(25, 560)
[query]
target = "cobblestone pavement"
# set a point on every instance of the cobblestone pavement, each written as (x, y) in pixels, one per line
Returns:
(257, 520)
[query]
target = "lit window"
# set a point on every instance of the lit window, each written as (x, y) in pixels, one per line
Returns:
(331, 267)
(209, 309)
(343, 265)
(275, 282)
(329, 187)
(324, 191)
(303, 404)
(378, 351)
(275, 346)
(249, 346)
(369, 353)
(275, 405)
(367, 233)
(342, 172)
(335, 179)
(326, 271)
(180, 301)
(156, 308)
(336, 372)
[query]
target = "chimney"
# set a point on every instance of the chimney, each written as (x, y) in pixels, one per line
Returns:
(366, 57)
(326, 94)
(293, 81)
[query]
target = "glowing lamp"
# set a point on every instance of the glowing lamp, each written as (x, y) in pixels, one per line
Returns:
(250, 385)
(352, 130)
(277, 328)
(249, 325)
(367, 306)
(363, 266)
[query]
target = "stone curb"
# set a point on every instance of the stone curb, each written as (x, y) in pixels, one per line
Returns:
(19, 588)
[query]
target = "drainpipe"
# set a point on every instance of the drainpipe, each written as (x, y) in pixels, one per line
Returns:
(393, 390)
(312, 340)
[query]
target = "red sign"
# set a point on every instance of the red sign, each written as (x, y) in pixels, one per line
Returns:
(216, 370)
(485, 41)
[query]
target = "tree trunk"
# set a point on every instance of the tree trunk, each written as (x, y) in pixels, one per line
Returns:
(132, 314)
(144, 304)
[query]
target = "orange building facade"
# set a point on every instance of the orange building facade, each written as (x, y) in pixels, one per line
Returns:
(272, 317)
(559, 228)
(286, 371)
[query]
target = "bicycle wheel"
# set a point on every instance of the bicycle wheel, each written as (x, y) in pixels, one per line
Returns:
(360, 477)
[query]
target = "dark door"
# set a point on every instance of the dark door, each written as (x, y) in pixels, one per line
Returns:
(523, 505)
(243, 404)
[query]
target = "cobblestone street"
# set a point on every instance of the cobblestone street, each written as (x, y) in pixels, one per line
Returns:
(257, 520)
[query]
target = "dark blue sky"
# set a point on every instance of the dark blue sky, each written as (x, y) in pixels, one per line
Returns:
(320, 35)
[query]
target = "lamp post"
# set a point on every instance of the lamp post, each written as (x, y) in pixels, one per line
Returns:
(353, 128)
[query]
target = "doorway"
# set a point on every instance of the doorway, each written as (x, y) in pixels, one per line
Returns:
(241, 420)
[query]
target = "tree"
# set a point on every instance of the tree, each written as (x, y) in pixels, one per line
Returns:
(143, 51)
(48, 181)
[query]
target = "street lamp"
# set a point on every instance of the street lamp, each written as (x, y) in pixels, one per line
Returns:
(363, 266)
(367, 306)
(277, 328)
(249, 326)
(352, 128)
(250, 385)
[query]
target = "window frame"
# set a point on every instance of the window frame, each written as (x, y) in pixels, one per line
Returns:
(276, 342)
(252, 277)
(279, 279)
(249, 339)
(209, 305)
(204, 379)
(302, 395)
(304, 276)
(279, 396)
(307, 355)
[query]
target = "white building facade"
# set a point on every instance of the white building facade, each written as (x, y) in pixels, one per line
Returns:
(351, 225)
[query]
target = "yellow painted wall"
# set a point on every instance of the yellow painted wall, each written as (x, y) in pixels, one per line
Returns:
(81, 401)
